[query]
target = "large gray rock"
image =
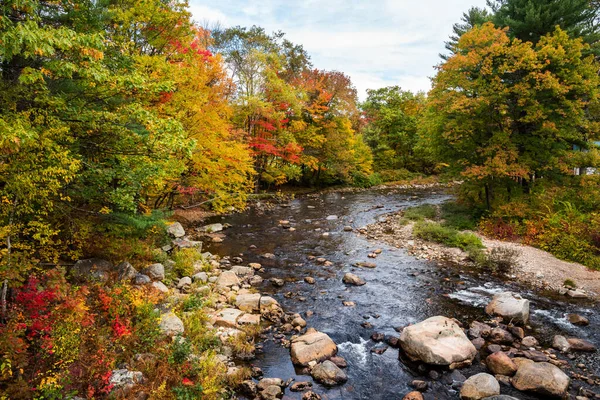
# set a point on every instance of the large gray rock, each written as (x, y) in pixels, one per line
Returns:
(228, 279)
(312, 346)
(328, 373)
(510, 306)
(439, 341)
(201, 277)
(248, 302)
(561, 343)
(479, 386)
(161, 287)
(171, 325)
(156, 272)
(227, 317)
(92, 270)
(141, 279)
(240, 270)
(126, 272)
(123, 381)
(541, 378)
(212, 228)
(176, 230)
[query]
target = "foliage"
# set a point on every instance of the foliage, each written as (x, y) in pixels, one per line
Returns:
(419, 213)
(503, 112)
(500, 260)
(392, 117)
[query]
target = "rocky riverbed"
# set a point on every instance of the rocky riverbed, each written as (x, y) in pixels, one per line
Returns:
(345, 315)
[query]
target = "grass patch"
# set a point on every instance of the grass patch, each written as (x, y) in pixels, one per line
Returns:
(420, 213)
(460, 216)
(435, 232)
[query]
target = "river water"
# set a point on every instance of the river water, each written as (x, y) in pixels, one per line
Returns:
(401, 290)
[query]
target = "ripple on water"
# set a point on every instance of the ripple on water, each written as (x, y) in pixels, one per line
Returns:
(355, 352)
(476, 296)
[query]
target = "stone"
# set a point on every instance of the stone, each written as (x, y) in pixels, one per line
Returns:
(339, 361)
(479, 329)
(123, 381)
(348, 303)
(577, 319)
(501, 397)
(581, 345)
(521, 360)
(347, 228)
(156, 272)
(299, 321)
(255, 266)
(501, 336)
(141, 279)
(312, 346)
(227, 317)
(212, 228)
(577, 294)
(277, 282)
(201, 277)
(541, 378)
(266, 382)
(300, 386)
(240, 270)
(126, 272)
(331, 217)
(249, 319)
(328, 374)
(184, 282)
(248, 302)
(351, 279)
(171, 325)
(311, 396)
(92, 270)
(413, 396)
(529, 341)
(517, 331)
(176, 230)
(227, 279)
(493, 348)
(536, 355)
(478, 343)
(560, 343)
(310, 280)
(510, 306)
(420, 385)
(501, 364)
(479, 387)
(271, 393)
(437, 340)
(268, 256)
(161, 287)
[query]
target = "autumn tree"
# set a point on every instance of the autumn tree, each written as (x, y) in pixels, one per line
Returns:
(504, 112)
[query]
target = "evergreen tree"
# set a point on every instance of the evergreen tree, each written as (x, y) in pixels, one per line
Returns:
(474, 17)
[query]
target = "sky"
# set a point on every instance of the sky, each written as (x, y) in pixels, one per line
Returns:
(377, 43)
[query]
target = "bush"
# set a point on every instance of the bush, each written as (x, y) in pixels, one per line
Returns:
(366, 181)
(460, 216)
(500, 260)
(434, 232)
(184, 261)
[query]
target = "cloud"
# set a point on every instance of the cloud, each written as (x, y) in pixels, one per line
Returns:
(377, 43)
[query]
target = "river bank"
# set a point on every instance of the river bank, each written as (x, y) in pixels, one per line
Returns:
(531, 266)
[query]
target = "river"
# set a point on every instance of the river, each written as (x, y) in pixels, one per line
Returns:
(401, 290)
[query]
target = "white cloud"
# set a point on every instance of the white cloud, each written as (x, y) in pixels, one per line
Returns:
(377, 43)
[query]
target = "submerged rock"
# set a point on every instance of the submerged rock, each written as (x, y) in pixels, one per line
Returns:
(437, 340)
(328, 373)
(351, 279)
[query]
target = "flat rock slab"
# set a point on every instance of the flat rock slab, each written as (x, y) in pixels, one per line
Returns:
(312, 346)
(227, 317)
(438, 341)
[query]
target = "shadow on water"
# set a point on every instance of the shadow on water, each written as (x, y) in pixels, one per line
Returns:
(401, 290)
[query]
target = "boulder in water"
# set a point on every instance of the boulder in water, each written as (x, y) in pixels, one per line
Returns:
(351, 279)
(541, 378)
(510, 306)
(312, 346)
(328, 373)
(479, 386)
(438, 341)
